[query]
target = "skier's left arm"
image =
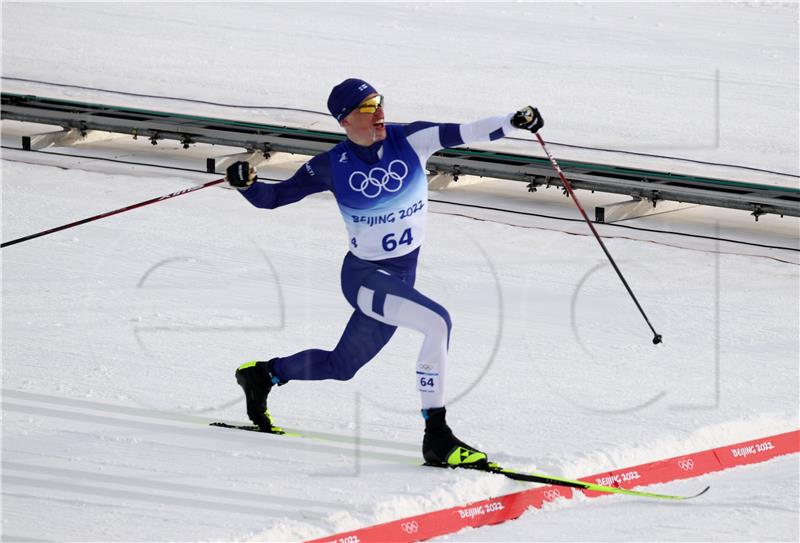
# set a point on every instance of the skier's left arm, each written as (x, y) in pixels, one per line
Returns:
(427, 138)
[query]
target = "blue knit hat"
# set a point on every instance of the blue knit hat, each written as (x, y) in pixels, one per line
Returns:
(346, 96)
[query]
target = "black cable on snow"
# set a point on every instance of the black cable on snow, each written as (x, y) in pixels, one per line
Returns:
(324, 113)
(651, 155)
(617, 225)
(137, 95)
(475, 206)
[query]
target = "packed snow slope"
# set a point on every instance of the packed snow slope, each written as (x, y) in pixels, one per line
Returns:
(120, 337)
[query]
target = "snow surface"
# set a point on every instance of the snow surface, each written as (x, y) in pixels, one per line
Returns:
(120, 337)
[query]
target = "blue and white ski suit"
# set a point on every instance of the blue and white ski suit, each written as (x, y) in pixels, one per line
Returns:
(382, 193)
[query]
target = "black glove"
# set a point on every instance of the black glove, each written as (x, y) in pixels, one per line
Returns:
(240, 175)
(528, 118)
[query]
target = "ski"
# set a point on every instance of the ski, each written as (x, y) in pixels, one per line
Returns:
(496, 469)
(491, 467)
(333, 438)
(253, 428)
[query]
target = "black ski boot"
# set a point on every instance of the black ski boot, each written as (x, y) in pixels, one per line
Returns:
(256, 380)
(441, 448)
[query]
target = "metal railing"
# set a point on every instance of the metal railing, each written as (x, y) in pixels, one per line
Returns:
(637, 183)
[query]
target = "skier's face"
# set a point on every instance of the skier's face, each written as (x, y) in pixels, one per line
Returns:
(364, 125)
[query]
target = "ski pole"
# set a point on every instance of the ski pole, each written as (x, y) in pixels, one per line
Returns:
(109, 213)
(656, 335)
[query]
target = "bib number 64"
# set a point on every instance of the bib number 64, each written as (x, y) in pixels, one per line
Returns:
(390, 241)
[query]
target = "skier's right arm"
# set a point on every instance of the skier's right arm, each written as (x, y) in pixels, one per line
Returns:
(312, 177)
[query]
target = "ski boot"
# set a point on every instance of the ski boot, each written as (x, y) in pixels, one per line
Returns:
(441, 448)
(256, 379)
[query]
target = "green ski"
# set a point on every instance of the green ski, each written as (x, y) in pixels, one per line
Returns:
(491, 467)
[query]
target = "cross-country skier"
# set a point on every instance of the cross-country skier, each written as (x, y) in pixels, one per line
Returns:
(378, 178)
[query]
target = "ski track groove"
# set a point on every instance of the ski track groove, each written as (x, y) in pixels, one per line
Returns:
(179, 417)
(121, 494)
(102, 478)
(281, 442)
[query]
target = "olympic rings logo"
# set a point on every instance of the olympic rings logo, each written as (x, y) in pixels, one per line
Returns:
(410, 527)
(687, 464)
(551, 495)
(378, 179)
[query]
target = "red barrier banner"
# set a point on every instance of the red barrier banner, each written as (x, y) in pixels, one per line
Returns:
(757, 450)
(662, 471)
(511, 506)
